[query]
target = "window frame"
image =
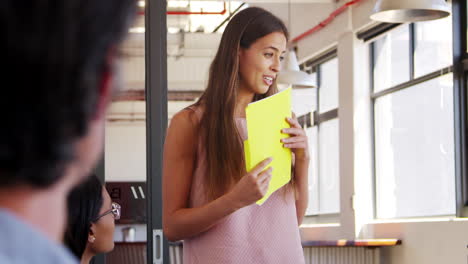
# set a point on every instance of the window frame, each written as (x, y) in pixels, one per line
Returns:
(460, 72)
(315, 118)
(311, 66)
(385, 28)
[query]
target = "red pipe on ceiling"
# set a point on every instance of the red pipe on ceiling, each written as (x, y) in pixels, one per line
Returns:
(327, 21)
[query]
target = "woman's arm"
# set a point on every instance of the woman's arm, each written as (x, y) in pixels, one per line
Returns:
(298, 143)
(301, 170)
(180, 221)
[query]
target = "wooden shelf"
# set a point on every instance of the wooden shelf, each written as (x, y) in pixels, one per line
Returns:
(352, 243)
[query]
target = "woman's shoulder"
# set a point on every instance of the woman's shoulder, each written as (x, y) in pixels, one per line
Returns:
(182, 134)
(193, 110)
(187, 118)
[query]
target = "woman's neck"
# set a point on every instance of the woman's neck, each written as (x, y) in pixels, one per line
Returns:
(244, 97)
(87, 256)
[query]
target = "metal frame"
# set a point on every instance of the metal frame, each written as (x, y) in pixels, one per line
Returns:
(314, 66)
(460, 69)
(376, 31)
(372, 114)
(412, 82)
(412, 48)
(156, 124)
(326, 56)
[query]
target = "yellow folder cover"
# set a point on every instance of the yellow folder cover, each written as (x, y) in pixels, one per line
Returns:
(265, 119)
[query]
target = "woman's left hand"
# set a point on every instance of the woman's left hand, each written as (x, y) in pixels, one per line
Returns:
(297, 141)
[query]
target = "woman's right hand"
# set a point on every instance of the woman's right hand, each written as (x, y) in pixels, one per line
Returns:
(252, 186)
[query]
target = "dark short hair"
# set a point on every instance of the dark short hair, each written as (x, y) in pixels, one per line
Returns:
(55, 54)
(84, 203)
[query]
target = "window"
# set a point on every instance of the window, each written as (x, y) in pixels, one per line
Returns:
(433, 46)
(414, 121)
(414, 150)
(392, 63)
(317, 109)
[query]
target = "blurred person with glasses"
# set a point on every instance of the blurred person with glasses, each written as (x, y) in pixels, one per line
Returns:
(91, 220)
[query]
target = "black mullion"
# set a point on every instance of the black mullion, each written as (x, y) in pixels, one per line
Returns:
(329, 115)
(460, 105)
(305, 122)
(372, 115)
(157, 251)
(319, 83)
(464, 29)
(317, 110)
(372, 66)
(413, 82)
(378, 30)
(321, 59)
(412, 48)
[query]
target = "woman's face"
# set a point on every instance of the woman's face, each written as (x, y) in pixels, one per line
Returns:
(103, 229)
(260, 63)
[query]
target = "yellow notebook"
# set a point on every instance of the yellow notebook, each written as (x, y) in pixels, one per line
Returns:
(265, 119)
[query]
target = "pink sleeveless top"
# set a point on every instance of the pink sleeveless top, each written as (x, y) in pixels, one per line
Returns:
(265, 234)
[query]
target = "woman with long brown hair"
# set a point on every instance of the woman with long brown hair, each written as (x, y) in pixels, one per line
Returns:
(209, 197)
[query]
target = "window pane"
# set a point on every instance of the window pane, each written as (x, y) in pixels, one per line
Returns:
(329, 183)
(313, 205)
(433, 49)
(391, 58)
(304, 101)
(328, 89)
(415, 151)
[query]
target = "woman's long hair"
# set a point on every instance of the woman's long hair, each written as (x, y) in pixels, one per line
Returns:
(218, 131)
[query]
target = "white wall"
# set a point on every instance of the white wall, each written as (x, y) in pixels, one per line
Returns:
(125, 151)
(125, 141)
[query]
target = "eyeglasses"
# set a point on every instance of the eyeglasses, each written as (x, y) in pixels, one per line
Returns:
(115, 211)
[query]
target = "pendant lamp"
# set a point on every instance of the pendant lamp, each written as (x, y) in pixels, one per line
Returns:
(402, 11)
(291, 74)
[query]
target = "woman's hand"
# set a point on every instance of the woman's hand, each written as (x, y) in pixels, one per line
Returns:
(297, 141)
(252, 186)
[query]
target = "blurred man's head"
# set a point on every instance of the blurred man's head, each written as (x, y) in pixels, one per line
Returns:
(56, 82)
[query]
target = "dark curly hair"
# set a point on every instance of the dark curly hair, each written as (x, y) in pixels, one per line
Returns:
(55, 54)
